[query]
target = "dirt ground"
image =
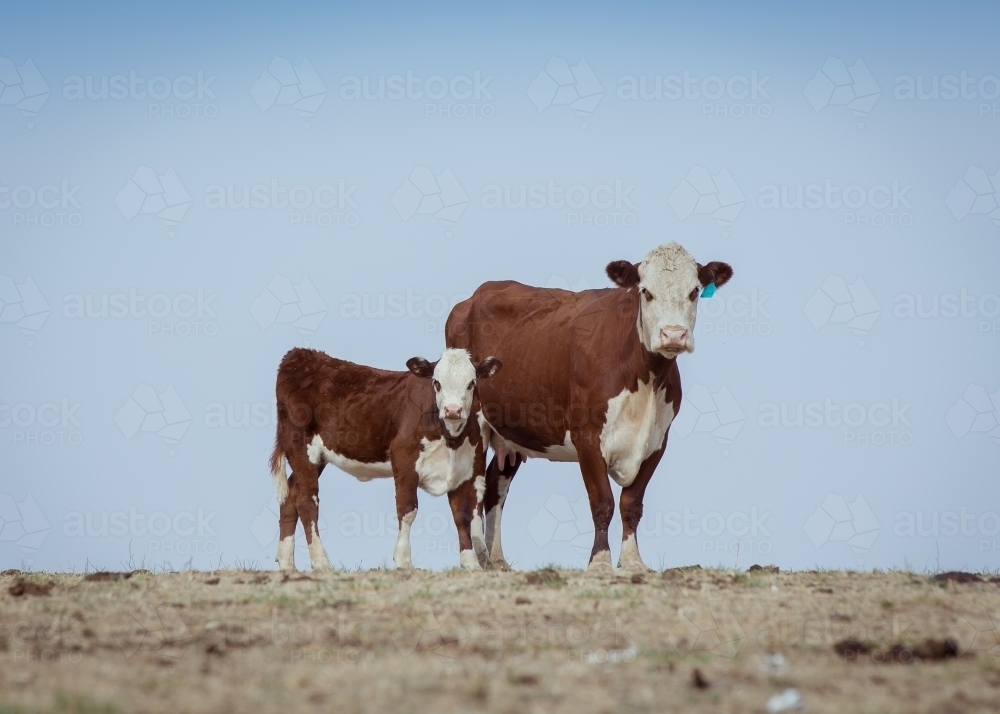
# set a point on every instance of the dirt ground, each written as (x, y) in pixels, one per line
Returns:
(546, 641)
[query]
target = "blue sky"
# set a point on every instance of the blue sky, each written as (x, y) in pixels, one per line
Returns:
(764, 105)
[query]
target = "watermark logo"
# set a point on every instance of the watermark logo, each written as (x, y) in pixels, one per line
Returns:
(561, 85)
(23, 87)
(707, 629)
(22, 523)
(611, 201)
(836, 302)
(856, 201)
(42, 206)
(298, 87)
(22, 305)
(837, 521)
(836, 84)
(424, 193)
(118, 87)
(154, 629)
(164, 196)
(702, 193)
(732, 90)
(705, 413)
(324, 206)
(560, 521)
(163, 414)
(284, 303)
(877, 424)
(975, 411)
(978, 631)
(975, 193)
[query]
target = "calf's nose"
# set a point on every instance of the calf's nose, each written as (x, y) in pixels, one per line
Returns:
(453, 411)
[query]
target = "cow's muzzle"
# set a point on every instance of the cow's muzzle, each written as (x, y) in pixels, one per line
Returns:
(674, 339)
(452, 412)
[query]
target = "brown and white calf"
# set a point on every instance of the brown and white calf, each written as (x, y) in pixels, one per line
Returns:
(590, 377)
(419, 427)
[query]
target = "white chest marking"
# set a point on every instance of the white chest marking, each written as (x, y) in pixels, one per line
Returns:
(441, 469)
(635, 426)
(557, 452)
(318, 453)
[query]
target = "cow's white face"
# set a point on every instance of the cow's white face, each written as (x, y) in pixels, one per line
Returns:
(454, 381)
(669, 282)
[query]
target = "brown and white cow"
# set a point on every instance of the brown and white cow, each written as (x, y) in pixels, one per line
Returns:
(590, 377)
(414, 427)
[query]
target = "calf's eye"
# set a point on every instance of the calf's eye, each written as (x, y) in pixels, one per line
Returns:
(437, 386)
(646, 294)
(471, 384)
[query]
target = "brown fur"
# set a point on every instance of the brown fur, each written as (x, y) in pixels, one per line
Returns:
(367, 415)
(566, 355)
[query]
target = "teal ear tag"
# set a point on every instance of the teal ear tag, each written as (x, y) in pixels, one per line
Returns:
(708, 291)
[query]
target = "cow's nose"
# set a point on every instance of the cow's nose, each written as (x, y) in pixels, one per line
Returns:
(452, 411)
(674, 337)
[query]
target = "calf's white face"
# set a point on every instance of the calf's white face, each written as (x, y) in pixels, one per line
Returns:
(669, 282)
(454, 381)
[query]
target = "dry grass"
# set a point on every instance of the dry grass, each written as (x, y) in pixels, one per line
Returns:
(383, 641)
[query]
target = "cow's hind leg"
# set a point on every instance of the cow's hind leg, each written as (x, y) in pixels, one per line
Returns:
(498, 478)
(287, 520)
(459, 500)
(306, 476)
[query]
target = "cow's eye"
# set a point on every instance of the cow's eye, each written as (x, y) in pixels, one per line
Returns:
(646, 294)
(471, 384)
(437, 386)
(694, 294)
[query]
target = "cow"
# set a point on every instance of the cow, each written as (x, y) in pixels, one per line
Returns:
(590, 377)
(418, 427)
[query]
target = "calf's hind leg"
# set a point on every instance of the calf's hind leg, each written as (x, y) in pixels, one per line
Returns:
(287, 520)
(306, 476)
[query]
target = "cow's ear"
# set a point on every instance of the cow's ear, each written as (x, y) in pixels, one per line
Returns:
(715, 272)
(623, 273)
(420, 367)
(488, 367)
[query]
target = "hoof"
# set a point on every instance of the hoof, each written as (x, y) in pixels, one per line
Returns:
(468, 561)
(600, 563)
(499, 565)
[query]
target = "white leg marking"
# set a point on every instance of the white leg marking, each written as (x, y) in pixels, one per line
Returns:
(493, 518)
(629, 559)
(317, 553)
(600, 561)
(478, 535)
(280, 476)
(401, 553)
(286, 553)
(468, 560)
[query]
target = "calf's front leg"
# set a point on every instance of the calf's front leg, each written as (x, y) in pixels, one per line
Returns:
(462, 513)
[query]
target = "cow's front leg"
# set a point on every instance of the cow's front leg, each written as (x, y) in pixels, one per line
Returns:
(459, 501)
(405, 475)
(602, 500)
(630, 505)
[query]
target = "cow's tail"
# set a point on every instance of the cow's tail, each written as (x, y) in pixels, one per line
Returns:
(279, 471)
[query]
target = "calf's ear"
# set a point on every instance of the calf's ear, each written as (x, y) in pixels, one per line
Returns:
(420, 367)
(488, 367)
(623, 273)
(714, 272)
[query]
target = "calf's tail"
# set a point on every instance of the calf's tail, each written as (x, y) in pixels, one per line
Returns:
(279, 470)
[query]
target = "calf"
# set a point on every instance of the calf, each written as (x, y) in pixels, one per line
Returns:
(414, 427)
(591, 377)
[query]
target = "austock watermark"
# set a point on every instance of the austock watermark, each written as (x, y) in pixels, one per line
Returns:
(735, 96)
(961, 523)
(184, 533)
(433, 309)
(166, 315)
(882, 423)
(978, 310)
(586, 206)
(167, 97)
(54, 204)
(742, 314)
(325, 205)
(35, 424)
(453, 97)
(880, 205)
(950, 88)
